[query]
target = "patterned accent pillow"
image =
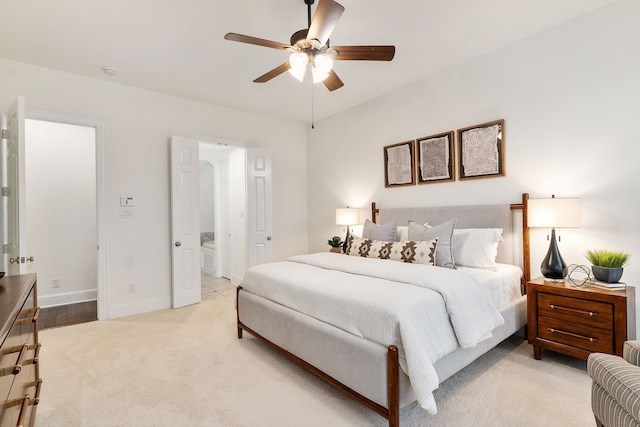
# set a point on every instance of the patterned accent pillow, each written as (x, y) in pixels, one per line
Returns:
(422, 252)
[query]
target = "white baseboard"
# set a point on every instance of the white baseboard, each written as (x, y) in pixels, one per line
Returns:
(123, 310)
(67, 298)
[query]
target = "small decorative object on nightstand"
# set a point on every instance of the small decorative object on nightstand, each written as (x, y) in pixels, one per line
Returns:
(578, 321)
(335, 242)
(607, 265)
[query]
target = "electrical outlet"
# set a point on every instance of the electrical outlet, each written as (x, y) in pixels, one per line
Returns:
(55, 283)
(132, 288)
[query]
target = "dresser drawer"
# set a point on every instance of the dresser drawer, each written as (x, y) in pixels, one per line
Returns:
(576, 335)
(574, 310)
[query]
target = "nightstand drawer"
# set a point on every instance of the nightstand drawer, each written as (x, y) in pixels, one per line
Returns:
(576, 335)
(574, 310)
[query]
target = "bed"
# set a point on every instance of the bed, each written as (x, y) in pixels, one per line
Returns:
(345, 317)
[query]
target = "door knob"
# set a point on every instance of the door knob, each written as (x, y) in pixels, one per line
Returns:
(30, 259)
(12, 260)
(178, 244)
(268, 237)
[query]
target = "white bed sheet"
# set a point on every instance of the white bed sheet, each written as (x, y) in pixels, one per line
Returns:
(392, 303)
(502, 285)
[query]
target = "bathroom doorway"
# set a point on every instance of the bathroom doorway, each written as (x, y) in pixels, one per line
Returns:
(222, 206)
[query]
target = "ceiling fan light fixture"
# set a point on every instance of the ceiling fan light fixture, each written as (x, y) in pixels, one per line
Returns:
(298, 62)
(318, 75)
(323, 63)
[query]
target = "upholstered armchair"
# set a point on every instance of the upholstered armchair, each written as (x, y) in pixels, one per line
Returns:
(615, 391)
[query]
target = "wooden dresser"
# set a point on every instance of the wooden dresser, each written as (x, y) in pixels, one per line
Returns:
(20, 380)
(579, 321)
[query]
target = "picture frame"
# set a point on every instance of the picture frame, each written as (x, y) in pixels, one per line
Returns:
(399, 161)
(481, 151)
(435, 158)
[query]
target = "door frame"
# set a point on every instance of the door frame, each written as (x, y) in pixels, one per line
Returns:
(101, 194)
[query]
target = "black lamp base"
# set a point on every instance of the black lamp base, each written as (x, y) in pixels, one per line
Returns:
(346, 241)
(553, 265)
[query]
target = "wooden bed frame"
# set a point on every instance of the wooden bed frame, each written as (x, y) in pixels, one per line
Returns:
(396, 381)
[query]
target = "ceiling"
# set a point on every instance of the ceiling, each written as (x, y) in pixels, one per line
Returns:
(177, 47)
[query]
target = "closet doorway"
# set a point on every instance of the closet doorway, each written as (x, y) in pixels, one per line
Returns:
(65, 207)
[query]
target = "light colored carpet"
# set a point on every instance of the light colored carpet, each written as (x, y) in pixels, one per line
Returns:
(187, 368)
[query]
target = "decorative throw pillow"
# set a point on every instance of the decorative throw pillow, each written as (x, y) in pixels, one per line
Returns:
(444, 234)
(402, 233)
(422, 252)
(385, 232)
(476, 247)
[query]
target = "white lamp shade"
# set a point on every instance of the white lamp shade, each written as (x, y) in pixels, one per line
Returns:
(347, 216)
(554, 213)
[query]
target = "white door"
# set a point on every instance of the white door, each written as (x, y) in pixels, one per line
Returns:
(259, 205)
(185, 221)
(13, 190)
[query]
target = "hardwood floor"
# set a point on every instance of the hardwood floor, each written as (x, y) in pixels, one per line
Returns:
(65, 315)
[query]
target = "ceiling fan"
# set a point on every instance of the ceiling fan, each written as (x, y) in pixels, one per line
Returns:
(310, 46)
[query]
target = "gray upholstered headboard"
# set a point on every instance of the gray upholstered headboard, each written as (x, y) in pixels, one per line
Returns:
(467, 216)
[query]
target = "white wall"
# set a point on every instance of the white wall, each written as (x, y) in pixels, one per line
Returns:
(138, 124)
(61, 209)
(569, 97)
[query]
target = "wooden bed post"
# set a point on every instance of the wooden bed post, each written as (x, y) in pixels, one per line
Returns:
(393, 388)
(526, 256)
(238, 312)
(374, 212)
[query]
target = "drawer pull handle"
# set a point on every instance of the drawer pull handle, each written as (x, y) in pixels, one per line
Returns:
(557, 331)
(573, 310)
(36, 399)
(32, 319)
(36, 354)
(15, 370)
(23, 410)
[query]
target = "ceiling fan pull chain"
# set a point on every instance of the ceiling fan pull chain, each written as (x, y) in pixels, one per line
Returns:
(312, 121)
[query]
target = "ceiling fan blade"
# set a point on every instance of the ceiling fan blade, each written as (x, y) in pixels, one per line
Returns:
(333, 82)
(364, 53)
(273, 73)
(324, 20)
(255, 40)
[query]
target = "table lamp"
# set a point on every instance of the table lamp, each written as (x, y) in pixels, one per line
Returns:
(553, 213)
(347, 216)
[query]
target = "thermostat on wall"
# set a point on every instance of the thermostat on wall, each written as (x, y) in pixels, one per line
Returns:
(127, 201)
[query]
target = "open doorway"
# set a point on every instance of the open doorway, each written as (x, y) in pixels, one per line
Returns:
(61, 218)
(222, 205)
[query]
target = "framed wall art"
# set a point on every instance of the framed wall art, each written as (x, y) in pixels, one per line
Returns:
(399, 160)
(435, 158)
(481, 151)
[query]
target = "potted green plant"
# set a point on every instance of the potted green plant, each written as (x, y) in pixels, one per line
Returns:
(335, 242)
(606, 265)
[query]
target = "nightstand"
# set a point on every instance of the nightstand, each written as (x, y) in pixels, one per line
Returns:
(578, 321)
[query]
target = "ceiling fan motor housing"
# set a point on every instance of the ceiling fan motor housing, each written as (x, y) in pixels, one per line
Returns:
(299, 36)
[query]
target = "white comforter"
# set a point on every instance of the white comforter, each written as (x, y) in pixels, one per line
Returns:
(427, 312)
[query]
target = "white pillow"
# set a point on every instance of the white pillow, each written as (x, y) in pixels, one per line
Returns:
(476, 247)
(402, 233)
